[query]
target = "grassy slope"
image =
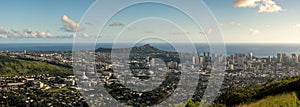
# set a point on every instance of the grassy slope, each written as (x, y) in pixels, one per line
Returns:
(282, 100)
(12, 67)
(244, 95)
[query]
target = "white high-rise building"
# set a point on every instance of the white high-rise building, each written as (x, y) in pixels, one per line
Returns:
(201, 60)
(84, 76)
(250, 56)
(152, 62)
(270, 59)
(194, 60)
(298, 57)
(279, 57)
(295, 58)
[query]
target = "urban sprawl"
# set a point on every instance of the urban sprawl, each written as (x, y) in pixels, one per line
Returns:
(240, 69)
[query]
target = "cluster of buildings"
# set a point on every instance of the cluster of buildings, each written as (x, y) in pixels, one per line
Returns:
(39, 89)
(43, 82)
(240, 69)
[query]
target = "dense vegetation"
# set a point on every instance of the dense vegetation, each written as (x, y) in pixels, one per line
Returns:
(236, 95)
(11, 67)
(282, 100)
(283, 93)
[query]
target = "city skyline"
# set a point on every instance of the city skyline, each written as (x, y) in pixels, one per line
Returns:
(241, 21)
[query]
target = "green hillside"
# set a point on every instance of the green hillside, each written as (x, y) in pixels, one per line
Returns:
(282, 100)
(287, 89)
(11, 67)
(283, 93)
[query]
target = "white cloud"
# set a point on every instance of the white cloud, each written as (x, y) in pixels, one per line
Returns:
(2, 30)
(179, 33)
(268, 6)
(246, 3)
(235, 23)
(3, 36)
(82, 35)
(209, 30)
(149, 32)
(116, 24)
(44, 35)
(297, 26)
(253, 31)
(69, 24)
(26, 33)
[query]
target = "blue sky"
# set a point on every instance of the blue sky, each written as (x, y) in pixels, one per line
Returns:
(242, 21)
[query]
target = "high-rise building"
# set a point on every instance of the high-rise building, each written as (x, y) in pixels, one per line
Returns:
(231, 67)
(284, 57)
(279, 57)
(232, 59)
(201, 60)
(250, 56)
(194, 60)
(147, 58)
(261, 66)
(213, 56)
(295, 58)
(298, 57)
(152, 62)
(269, 59)
(41, 85)
(172, 65)
(84, 76)
(240, 60)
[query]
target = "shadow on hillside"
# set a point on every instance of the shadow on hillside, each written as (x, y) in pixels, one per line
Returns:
(298, 94)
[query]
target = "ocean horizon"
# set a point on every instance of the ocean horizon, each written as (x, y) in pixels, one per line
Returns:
(258, 49)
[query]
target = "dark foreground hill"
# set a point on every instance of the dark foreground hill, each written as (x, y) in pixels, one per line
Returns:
(261, 95)
(12, 67)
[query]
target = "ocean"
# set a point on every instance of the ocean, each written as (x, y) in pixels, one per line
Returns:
(259, 50)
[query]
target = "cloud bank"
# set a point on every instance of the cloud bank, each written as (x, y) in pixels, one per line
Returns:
(268, 6)
(253, 31)
(69, 24)
(116, 24)
(27, 33)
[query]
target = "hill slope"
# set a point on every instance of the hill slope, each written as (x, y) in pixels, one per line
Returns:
(236, 95)
(145, 49)
(282, 100)
(11, 67)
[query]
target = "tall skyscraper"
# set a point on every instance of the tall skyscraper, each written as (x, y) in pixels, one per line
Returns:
(284, 57)
(279, 57)
(250, 56)
(298, 57)
(147, 58)
(152, 62)
(201, 60)
(295, 58)
(194, 60)
(269, 59)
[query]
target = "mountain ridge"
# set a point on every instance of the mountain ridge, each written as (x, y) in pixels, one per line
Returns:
(147, 48)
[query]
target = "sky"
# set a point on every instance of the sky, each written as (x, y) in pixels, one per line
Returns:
(241, 21)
